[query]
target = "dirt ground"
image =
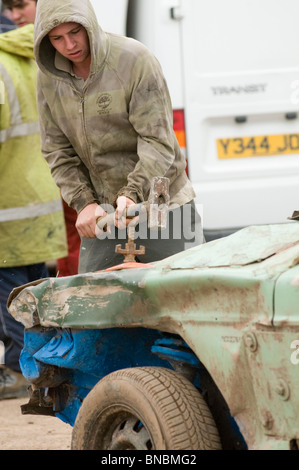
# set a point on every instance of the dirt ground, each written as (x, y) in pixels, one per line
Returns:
(29, 432)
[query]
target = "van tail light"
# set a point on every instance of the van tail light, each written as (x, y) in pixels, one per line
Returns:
(180, 131)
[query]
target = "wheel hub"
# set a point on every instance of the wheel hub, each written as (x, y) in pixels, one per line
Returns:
(130, 434)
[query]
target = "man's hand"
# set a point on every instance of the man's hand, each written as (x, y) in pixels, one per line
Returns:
(86, 220)
(121, 221)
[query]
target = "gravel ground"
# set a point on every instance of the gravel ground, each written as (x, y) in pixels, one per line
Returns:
(30, 432)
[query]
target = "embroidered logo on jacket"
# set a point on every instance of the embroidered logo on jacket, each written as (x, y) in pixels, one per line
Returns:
(103, 102)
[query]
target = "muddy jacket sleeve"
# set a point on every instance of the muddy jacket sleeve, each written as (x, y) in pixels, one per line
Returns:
(64, 163)
(150, 114)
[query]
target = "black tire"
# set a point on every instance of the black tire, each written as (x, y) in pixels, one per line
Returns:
(144, 408)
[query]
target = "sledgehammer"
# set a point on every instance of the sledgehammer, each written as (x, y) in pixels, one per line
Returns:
(155, 209)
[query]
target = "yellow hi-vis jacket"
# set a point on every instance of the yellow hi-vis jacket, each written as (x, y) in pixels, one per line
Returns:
(32, 228)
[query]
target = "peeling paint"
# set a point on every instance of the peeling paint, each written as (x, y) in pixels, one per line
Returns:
(233, 301)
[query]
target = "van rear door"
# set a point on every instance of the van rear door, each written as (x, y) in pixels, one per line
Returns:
(241, 91)
(112, 15)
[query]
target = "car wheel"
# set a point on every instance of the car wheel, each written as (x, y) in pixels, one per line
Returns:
(144, 408)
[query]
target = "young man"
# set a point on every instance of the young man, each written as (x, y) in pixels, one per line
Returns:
(22, 11)
(106, 128)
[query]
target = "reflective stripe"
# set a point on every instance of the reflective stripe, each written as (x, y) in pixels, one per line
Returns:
(18, 128)
(2, 92)
(27, 128)
(31, 211)
(15, 110)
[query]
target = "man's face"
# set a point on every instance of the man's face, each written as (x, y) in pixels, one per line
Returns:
(71, 40)
(23, 12)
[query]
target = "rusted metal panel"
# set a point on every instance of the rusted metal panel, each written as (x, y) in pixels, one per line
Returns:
(250, 245)
(233, 301)
(287, 299)
(183, 283)
(146, 297)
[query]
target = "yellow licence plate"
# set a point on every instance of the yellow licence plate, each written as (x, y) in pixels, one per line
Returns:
(260, 146)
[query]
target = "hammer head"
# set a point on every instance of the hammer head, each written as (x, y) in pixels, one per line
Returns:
(158, 203)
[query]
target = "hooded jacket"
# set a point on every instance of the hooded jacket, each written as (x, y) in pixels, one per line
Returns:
(32, 228)
(111, 136)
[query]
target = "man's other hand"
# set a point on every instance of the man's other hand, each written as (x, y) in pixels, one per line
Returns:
(86, 220)
(121, 221)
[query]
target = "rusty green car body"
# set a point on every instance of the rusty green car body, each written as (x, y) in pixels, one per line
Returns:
(234, 302)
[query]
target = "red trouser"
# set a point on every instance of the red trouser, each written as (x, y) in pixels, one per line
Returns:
(68, 266)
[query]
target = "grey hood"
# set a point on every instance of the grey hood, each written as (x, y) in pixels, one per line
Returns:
(50, 14)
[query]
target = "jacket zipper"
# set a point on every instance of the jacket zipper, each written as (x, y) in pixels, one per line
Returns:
(81, 107)
(85, 147)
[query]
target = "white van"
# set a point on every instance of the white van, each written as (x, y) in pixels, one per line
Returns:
(233, 72)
